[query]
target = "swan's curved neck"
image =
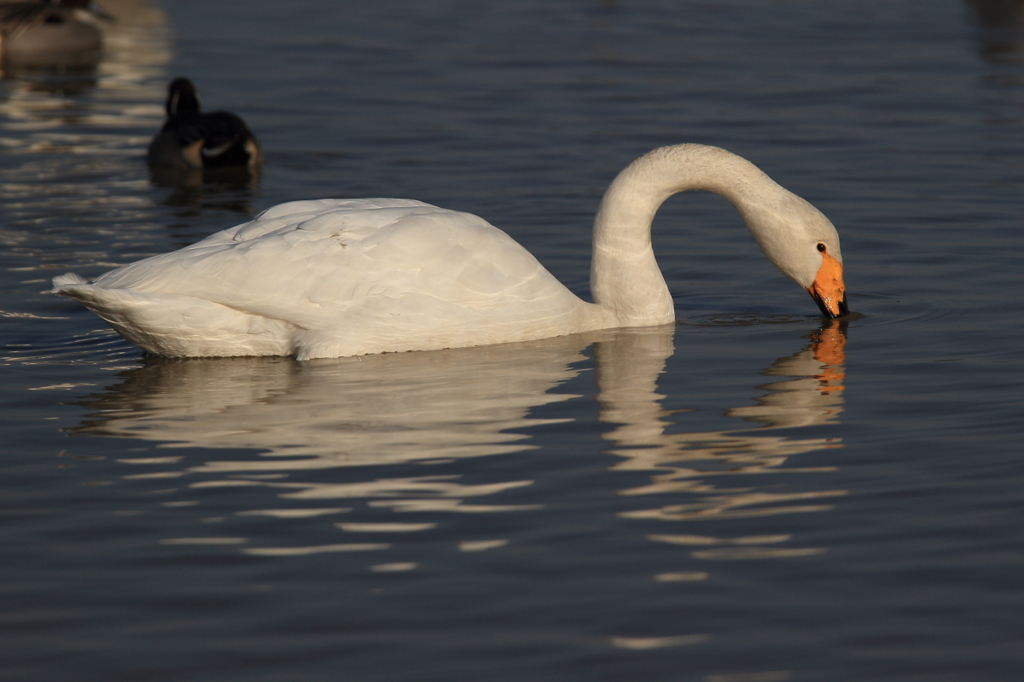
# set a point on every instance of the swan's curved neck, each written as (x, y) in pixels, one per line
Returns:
(624, 275)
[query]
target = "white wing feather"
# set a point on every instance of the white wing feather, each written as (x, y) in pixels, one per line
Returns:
(334, 278)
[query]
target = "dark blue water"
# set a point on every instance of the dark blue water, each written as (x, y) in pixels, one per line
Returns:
(748, 497)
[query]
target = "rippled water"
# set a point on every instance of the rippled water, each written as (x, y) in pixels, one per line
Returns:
(746, 497)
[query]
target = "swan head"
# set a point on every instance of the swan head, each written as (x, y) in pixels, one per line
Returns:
(804, 245)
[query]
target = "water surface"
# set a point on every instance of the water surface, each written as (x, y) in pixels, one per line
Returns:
(749, 495)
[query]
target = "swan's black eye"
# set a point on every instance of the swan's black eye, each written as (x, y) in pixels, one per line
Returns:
(821, 247)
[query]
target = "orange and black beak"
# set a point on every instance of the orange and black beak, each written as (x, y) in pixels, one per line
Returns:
(828, 290)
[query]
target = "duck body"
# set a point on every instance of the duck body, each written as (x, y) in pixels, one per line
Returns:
(51, 31)
(341, 277)
(191, 138)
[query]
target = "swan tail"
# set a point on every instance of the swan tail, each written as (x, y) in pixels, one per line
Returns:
(173, 325)
(69, 279)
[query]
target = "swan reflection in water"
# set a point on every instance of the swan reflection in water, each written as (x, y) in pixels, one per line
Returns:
(440, 406)
(687, 463)
(395, 409)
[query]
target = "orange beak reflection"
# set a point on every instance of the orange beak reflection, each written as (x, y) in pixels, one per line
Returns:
(828, 290)
(828, 345)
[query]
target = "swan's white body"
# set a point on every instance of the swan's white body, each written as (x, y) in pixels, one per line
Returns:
(333, 277)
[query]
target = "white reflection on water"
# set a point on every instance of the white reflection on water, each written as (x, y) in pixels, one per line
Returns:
(442, 406)
(368, 411)
(372, 410)
(686, 463)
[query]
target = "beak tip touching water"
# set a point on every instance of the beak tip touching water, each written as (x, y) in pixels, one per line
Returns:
(828, 289)
(828, 308)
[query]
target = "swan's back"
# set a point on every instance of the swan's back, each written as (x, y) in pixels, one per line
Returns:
(332, 278)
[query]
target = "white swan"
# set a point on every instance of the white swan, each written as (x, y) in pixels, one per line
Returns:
(335, 277)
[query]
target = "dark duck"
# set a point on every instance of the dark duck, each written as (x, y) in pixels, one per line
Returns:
(193, 139)
(45, 31)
